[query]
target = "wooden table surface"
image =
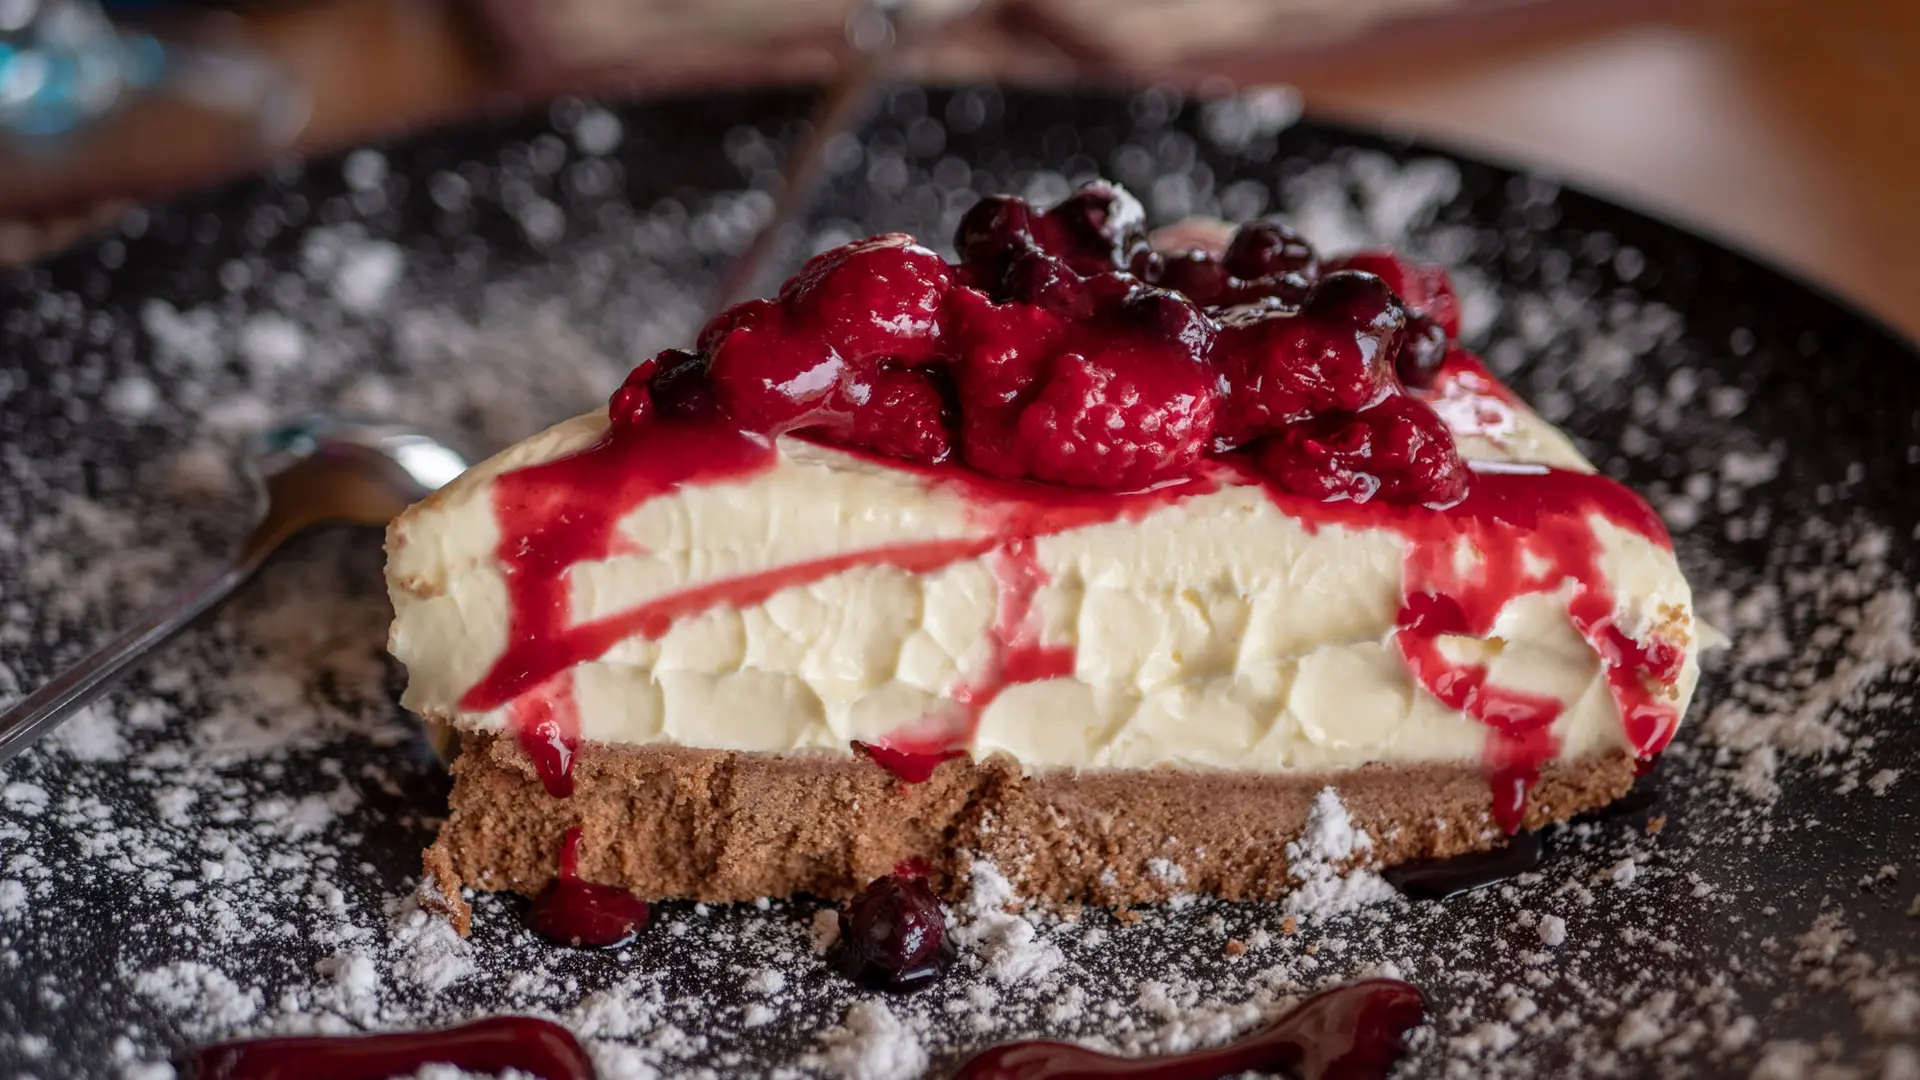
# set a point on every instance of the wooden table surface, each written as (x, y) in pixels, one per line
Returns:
(1790, 128)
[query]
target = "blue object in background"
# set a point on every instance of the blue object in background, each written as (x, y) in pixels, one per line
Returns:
(62, 64)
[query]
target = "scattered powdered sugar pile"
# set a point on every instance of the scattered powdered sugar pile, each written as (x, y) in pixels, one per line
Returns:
(225, 844)
(1328, 862)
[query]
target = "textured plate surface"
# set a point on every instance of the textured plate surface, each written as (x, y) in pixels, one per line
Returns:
(226, 844)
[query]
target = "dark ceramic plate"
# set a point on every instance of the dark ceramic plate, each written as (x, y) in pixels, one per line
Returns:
(225, 845)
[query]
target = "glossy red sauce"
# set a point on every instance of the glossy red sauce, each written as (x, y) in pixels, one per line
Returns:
(1354, 1032)
(1530, 526)
(910, 766)
(494, 1045)
(579, 913)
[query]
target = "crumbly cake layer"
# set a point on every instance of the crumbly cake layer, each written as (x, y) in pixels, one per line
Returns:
(722, 826)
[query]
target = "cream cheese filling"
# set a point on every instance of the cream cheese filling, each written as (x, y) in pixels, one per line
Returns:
(1214, 631)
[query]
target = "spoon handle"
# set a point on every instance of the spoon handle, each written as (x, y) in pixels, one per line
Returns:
(872, 31)
(61, 697)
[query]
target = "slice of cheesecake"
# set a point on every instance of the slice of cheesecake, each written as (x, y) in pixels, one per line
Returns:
(1096, 561)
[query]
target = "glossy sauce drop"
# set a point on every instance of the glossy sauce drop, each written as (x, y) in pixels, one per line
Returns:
(1354, 1032)
(1437, 879)
(494, 1045)
(909, 766)
(580, 913)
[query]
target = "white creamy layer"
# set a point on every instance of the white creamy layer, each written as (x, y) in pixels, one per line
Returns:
(1216, 631)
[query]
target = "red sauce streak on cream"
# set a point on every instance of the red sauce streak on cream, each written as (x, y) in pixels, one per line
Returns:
(1530, 527)
(580, 913)
(1018, 656)
(1018, 513)
(495, 1045)
(562, 512)
(1354, 1032)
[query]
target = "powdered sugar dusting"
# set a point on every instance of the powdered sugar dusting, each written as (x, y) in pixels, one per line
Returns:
(871, 1044)
(1326, 863)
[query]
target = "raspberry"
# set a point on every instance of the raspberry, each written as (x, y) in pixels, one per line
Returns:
(879, 299)
(813, 358)
(1334, 355)
(1114, 397)
(1100, 424)
(724, 321)
(1003, 349)
(898, 413)
(771, 376)
(1423, 288)
(1398, 451)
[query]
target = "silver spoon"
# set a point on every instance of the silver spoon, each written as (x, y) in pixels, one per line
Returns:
(875, 31)
(316, 470)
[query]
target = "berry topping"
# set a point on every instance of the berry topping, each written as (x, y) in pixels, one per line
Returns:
(1267, 249)
(912, 767)
(1098, 228)
(1397, 450)
(873, 300)
(632, 404)
(893, 936)
(1063, 349)
(902, 413)
(1422, 350)
(834, 352)
(1117, 425)
(990, 236)
(1264, 263)
(1424, 289)
(1194, 274)
(769, 375)
(579, 913)
(1120, 398)
(1333, 356)
(680, 386)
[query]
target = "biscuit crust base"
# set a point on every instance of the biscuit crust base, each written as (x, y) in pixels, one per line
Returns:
(722, 825)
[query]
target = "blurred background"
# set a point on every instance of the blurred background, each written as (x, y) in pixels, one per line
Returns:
(1790, 127)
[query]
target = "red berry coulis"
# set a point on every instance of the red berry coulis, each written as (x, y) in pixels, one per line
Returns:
(1354, 1032)
(911, 766)
(495, 1045)
(1063, 374)
(579, 913)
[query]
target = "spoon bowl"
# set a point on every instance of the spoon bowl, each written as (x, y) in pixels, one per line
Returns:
(320, 470)
(311, 471)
